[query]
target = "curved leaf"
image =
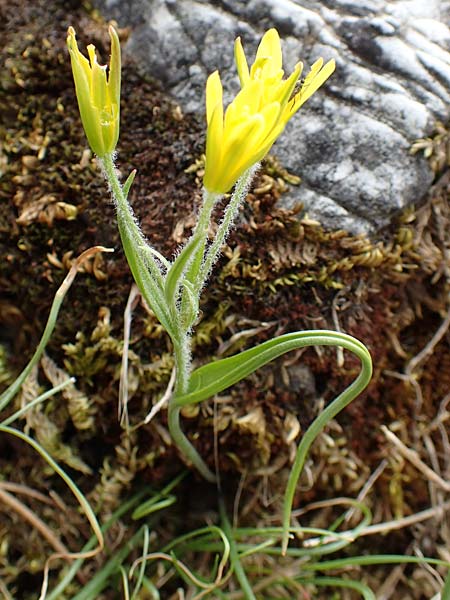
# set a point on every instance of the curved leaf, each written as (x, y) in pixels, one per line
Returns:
(61, 292)
(215, 377)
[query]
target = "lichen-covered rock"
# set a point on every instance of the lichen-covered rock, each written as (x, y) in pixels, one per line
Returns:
(351, 142)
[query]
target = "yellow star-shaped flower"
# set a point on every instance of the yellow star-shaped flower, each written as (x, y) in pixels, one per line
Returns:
(257, 115)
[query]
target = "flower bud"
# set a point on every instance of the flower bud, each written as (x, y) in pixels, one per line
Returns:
(98, 93)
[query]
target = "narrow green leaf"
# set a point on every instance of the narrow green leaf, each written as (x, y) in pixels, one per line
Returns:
(147, 282)
(145, 269)
(75, 565)
(41, 398)
(152, 506)
(445, 595)
(361, 588)
(216, 376)
(103, 576)
(175, 273)
(86, 507)
(12, 390)
(128, 183)
(141, 572)
(195, 265)
(143, 509)
(153, 252)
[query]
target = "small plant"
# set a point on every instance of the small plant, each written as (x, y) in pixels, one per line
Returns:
(237, 140)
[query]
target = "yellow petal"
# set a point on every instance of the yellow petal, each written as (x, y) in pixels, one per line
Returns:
(75, 53)
(235, 157)
(214, 144)
(241, 62)
(98, 98)
(270, 47)
(239, 145)
(213, 94)
(313, 81)
(257, 115)
(98, 85)
(245, 104)
(271, 115)
(257, 68)
(114, 75)
(82, 76)
(290, 84)
(214, 135)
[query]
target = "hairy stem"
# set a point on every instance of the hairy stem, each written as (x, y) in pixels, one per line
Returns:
(229, 217)
(146, 271)
(182, 362)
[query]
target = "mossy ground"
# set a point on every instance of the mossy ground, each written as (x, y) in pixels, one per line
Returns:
(280, 272)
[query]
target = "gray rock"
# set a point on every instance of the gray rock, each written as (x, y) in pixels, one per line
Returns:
(350, 143)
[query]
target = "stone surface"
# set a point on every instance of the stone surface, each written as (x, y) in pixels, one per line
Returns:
(350, 143)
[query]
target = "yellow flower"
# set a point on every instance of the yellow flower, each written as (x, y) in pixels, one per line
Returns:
(257, 115)
(98, 94)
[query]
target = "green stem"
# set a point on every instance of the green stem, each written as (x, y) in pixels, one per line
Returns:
(182, 353)
(201, 231)
(204, 216)
(182, 362)
(150, 281)
(184, 445)
(182, 348)
(237, 198)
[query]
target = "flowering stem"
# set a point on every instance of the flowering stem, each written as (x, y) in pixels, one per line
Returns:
(197, 274)
(201, 231)
(237, 198)
(182, 349)
(147, 274)
(204, 217)
(182, 362)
